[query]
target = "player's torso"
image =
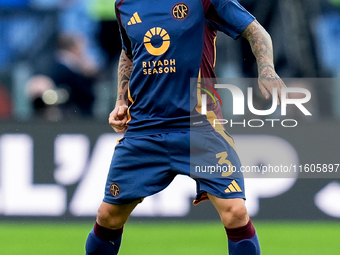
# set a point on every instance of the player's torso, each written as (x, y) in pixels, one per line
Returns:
(162, 29)
(166, 42)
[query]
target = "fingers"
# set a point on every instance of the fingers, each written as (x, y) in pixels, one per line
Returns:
(277, 85)
(118, 114)
(118, 118)
(119, 129)
(119, 125)
(122, 110)
(283, 85)
(267, 86)
(264, 91)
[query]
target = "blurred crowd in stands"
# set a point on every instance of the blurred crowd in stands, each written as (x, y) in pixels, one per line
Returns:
(58, 58)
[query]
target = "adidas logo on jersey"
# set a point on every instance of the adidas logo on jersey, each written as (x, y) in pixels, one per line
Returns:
(134, 19)
(233, 187)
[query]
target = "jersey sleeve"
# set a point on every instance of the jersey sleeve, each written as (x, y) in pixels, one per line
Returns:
(126, 43)
(227, 16)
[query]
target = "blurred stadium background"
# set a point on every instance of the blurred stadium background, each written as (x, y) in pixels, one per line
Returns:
(55, 146)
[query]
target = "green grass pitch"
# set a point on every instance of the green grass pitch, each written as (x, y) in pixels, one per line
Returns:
(180, 238)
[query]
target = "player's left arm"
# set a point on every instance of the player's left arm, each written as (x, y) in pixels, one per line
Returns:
(261, 45)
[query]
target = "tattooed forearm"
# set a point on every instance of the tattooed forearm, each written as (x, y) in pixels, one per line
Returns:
(261, 45)
(123, 96)
(124, 73)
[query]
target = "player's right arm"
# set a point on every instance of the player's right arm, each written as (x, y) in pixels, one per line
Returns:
(118, 117)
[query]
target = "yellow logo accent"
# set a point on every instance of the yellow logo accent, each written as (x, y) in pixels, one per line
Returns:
(233, 187)
(159, 67)
(114, 190)
(157, 31)
(134, 19)
(180, 11)
(223, 160)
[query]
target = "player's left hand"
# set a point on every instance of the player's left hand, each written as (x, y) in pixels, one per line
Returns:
(268, 79)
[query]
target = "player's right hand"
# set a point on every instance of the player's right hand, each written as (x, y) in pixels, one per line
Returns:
(118, 118)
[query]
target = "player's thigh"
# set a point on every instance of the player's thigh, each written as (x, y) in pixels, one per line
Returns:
(114, 216)
(232, 211)
(213, 155)
(139, 168)
(216, 166)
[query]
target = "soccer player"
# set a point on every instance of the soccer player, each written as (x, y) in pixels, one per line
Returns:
(165, 43)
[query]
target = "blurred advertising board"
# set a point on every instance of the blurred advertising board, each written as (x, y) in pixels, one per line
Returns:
(58, 171)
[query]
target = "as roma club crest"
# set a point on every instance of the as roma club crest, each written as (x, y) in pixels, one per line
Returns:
(180, 11)
(114, 190)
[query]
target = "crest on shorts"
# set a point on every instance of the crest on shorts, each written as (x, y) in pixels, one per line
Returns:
(180, 11)
(114, 190)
